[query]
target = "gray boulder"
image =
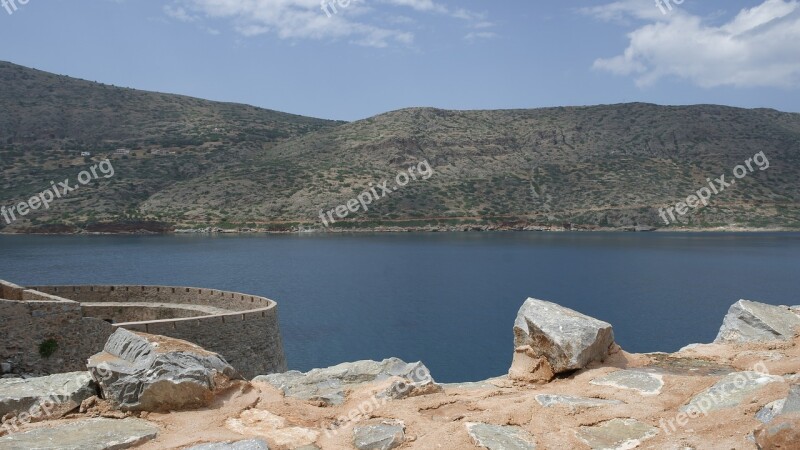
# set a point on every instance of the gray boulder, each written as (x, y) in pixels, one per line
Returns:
(45, 398)
(749, 321)
(90, 434)
(142, 372)
(331, 385)
(550, 339)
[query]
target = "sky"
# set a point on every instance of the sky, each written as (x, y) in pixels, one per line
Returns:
(357, 58)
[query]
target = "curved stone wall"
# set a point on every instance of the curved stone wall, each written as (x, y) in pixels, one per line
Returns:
(242, 328)
(29, 319)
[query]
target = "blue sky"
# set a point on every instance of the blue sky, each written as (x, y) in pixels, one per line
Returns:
(373, 56)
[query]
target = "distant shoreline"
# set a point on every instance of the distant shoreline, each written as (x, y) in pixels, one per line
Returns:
(399, 230)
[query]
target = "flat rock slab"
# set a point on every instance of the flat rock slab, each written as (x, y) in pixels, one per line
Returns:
(330, 385)
(91, 434)
(644, 382)
(616, 434)
(550, 400)
(671, 365)
(749, 321)
(383, 436)
(496, 437)
(252, 444)
(45, 398)
(729, 391)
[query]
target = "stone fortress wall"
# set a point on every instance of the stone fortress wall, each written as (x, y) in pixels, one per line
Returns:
(242, 328)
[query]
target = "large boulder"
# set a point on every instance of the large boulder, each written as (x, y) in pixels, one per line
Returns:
(550, 339)
(749, 321)
(142, 372)
(45, 398)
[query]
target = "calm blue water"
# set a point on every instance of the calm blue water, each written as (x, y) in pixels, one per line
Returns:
(447, 299)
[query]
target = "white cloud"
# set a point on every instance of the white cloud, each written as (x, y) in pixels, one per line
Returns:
(354, 20)
(757, 48)
(179, 13)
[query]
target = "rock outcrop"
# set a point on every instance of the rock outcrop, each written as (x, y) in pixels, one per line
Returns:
(749, 321)
(330, 385)
(45, 398)
(141, 372)
(550, 339)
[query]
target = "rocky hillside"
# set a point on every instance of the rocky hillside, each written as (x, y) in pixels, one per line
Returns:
(196, 164)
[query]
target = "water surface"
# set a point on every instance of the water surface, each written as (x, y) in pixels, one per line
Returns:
(447, 299)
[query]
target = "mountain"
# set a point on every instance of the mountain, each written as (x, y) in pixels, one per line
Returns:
(48, 121)
(196, 163)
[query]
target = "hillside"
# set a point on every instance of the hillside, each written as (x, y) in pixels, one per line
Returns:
(194, 163)
(610, 166)
(49, 120)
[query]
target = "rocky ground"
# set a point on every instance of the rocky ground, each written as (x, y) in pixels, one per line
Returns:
(741, 392)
